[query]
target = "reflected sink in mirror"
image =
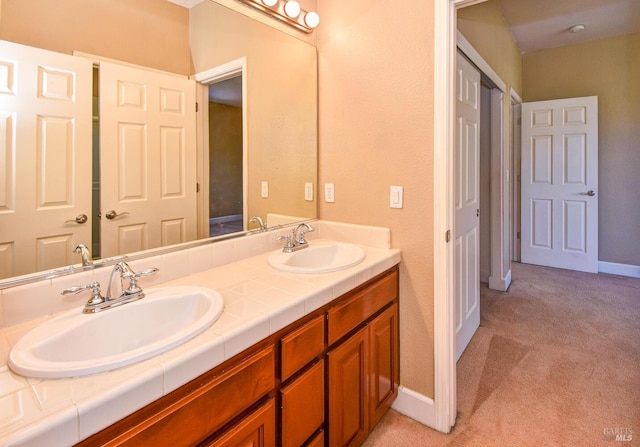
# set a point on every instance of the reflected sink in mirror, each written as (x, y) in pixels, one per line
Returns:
(319, 257)
(76, 344)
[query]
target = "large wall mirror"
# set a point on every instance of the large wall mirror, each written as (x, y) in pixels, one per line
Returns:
(131, 44)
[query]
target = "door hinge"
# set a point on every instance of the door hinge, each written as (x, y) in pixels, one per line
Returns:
(477, 212)
(196, 107)
(447, 236)
(197, 187)
(518, 235)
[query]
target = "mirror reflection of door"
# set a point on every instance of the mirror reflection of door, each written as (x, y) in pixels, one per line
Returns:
(45, 136)
(225, 157)
(147, 159)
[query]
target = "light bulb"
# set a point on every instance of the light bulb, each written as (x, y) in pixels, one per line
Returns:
(312, 19)
(292, 9)
(270, 2)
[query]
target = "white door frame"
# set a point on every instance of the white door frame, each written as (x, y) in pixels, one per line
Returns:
(445, 406)
(516, 102)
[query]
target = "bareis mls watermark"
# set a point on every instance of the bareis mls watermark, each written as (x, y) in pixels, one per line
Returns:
(623, 434)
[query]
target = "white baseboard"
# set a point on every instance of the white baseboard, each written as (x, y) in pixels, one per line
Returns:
(619, 269)
(499, 283)
(416, 406)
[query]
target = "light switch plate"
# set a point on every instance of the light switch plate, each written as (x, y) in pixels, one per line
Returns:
(395, 197)
(329, 193)
(308, 192)
(264, 191)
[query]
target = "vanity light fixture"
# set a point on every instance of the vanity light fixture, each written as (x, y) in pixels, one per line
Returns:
(312, 19)
(292, 9)
(287, 11)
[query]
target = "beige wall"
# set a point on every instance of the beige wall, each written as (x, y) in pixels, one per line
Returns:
(376, 130)
(151, 33)
(609, 69)
(225, 160)
(483, 26)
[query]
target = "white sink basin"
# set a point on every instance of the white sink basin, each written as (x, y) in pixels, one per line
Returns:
(318, 257)
(76, 344)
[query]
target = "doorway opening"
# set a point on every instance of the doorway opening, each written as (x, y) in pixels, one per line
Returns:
(225, 156)
(222, 149)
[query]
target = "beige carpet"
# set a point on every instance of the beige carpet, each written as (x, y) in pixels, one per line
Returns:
(555, 362)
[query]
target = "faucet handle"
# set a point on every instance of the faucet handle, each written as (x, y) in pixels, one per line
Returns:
(96, 297)
(147, 272)
(133, 280)
(301, 230)
(288, 245)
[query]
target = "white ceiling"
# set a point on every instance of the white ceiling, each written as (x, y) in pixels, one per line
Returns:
(538, 24)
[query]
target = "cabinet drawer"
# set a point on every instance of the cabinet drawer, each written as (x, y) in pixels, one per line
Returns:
(303, 406)
(301, 346)
(199, 408)
(348, 315)
(256, 430)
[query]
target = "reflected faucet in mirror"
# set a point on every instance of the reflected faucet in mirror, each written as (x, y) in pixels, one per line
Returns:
(261, 225)
(85, 255)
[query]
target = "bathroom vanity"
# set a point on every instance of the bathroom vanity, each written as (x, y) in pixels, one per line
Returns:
(329, 376)
(294, 359)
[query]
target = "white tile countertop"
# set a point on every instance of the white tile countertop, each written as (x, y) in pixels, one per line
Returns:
(258, 299)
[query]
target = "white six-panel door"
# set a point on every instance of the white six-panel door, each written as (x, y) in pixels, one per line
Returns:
(45, 158)
(560, 183)
(148, 159)
(467, 204)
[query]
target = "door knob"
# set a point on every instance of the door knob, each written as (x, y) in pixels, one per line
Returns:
(589, 193)
(112, 214)
(80, 219)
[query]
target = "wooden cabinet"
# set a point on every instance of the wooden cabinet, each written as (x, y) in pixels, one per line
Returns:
(348, 391)
(303, 406)
(384, 366)
(256, 430)
(363, 371)
(301, 346)
(323, 381)
(193, 412)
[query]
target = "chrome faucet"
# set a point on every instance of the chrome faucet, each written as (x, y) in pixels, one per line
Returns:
(296, 241)
(299, 233)
(263, 226)
(97, 302)
(84, 253)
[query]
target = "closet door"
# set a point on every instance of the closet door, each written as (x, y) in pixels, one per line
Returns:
(467, 204)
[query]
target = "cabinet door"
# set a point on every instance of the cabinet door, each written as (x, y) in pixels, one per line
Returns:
(256, 430)
(303, 406)
(383, 363)
(348, 391)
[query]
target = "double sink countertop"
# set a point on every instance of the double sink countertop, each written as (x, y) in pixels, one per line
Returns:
(258, 301)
